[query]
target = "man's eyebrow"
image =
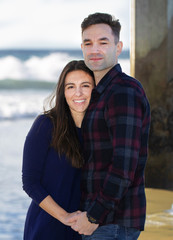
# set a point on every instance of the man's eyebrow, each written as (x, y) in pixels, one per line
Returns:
(86, 40)
(104, 38)
(100, 39)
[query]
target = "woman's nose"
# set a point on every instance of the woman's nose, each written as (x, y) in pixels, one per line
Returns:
(78, 91)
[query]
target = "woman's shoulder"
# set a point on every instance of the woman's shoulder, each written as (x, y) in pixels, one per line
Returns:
(43, 120)
(41, 126)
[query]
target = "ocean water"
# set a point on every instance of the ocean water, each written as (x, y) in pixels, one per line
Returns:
(27, 77)
(13, 201)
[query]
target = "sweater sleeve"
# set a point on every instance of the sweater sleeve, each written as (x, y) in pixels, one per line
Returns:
(35, 152)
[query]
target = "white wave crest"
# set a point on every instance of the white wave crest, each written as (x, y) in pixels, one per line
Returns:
(21, 104)
(35, 68)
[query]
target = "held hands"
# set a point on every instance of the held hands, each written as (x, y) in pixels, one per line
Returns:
(69, 218)
(79, 222)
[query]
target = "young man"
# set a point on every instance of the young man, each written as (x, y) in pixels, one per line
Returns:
(115, 132)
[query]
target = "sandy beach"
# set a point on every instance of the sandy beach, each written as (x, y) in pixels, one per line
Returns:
(159, 222)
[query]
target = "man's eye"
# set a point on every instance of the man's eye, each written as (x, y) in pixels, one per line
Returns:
(87, 44)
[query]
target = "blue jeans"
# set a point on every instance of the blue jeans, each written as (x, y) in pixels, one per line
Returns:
(113, 232)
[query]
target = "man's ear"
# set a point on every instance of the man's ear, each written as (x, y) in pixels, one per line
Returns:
(119, 48)
(81, 46)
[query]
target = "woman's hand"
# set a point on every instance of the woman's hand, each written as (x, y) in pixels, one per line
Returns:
(56, 211)
(68, 218)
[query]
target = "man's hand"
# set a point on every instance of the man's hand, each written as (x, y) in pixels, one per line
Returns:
(81, 224)
(69, 219)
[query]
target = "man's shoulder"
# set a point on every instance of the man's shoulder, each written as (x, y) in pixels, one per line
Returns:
(125, 83)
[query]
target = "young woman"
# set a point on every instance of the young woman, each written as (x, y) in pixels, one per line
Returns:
(52, 158)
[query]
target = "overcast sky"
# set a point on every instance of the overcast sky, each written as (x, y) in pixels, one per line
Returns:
(54, 23)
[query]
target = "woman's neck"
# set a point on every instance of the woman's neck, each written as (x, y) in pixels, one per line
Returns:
(78, 117)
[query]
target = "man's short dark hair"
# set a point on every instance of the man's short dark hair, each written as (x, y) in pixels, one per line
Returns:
(105, 18)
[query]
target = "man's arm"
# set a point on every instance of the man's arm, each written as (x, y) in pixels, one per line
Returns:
(81, 224)
(123, 116)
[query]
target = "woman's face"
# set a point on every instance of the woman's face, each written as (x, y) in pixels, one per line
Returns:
(78, 87)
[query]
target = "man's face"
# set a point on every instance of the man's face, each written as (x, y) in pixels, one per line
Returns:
(99, 48)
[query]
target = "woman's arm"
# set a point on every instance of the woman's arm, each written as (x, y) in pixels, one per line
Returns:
(36, 148)
(51, 207)
(35, 152)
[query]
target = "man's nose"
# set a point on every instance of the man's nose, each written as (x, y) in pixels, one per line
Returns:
(95, 48)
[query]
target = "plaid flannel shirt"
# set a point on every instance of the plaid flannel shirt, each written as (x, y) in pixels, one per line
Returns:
(115, 131)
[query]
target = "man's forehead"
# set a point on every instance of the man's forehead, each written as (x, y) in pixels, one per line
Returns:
(97, 31)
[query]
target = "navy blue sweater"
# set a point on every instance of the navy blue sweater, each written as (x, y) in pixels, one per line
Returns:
(45, 173)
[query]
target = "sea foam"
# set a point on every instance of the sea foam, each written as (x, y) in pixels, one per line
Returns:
(35, 68)
(21, 104)
(28, 77)
(41, 68)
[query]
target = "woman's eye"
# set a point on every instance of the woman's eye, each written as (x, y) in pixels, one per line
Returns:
(69, 87)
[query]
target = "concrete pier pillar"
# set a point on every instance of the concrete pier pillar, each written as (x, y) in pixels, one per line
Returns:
(152, 64)
(152, 45)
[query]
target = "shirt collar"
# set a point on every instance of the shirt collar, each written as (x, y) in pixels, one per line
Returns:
(108, 78)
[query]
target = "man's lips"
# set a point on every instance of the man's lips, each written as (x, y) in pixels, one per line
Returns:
(95, 58)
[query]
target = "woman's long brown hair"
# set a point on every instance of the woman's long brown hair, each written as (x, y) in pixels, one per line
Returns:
(64, 135)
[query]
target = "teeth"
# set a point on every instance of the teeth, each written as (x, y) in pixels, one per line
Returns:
(79, 101)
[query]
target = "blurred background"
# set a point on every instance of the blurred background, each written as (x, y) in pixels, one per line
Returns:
(37, 39)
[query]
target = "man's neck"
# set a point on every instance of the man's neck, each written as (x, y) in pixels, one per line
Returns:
(98, 75)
